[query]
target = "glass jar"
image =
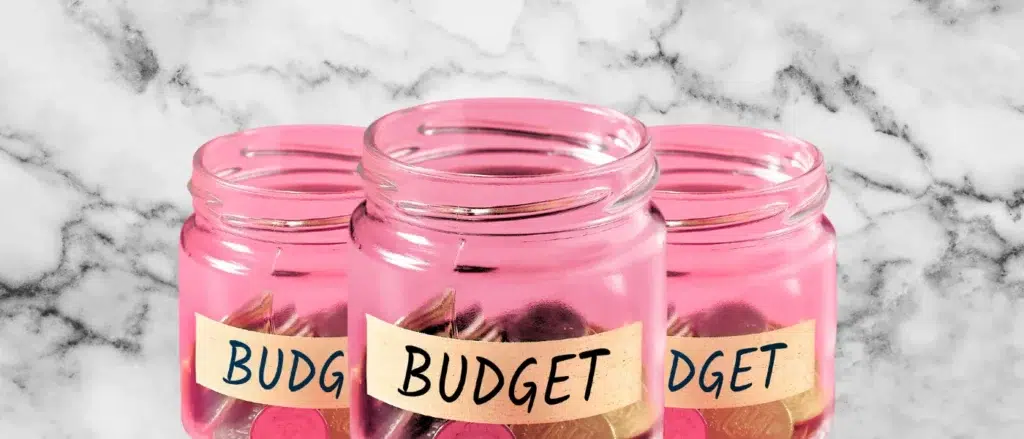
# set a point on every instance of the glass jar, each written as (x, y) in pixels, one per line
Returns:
(509, 274)
(262, 291)
(751, 283)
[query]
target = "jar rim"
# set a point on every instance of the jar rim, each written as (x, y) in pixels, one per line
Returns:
(672, 138)
(723, 184)
(204, 174)
(372, 148)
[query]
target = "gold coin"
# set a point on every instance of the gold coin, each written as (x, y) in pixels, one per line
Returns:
(632, 420)
(807, 405)
(337, 422)
(594, 427)
(764, 421)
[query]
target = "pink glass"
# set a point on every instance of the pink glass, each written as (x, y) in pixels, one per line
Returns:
(744, 212)
(271, 215)
(511, 202)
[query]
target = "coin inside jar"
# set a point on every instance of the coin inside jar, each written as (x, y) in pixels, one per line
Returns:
(289, 423)
(730, 319)
(465, 430)
(685, 424)
(807, 405)
(337, 422)
(763, 421)
(594, 427)
(633, 420)
(547, 321)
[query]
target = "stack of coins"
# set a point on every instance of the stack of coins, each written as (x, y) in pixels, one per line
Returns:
(225, 417)
(541, 321)
(798, 417)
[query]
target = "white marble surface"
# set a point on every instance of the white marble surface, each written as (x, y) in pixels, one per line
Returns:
(918, 105)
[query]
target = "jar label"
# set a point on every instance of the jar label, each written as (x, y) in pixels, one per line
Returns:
(271, 369)
(504, 383)
(737, 371)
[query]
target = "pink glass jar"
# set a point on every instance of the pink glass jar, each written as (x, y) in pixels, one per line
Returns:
(262, 290)
(752, 276)
(508, 274)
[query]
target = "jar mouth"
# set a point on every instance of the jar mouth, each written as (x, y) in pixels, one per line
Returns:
(279, 178)
(748, 161)
(717, 177)
(538, 165)
(258, 161)
(579, 140)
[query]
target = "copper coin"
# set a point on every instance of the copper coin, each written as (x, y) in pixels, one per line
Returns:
(337, 422)
(685, 424)
(283, 317)
(465, 430)
(547, 321)
(253, 315)
(289, 423)
(811, 429)
(681, 327)
(331, 322)
(763, 421)
(594, 427)
(729, 319)
(238, 428)
(433, 317)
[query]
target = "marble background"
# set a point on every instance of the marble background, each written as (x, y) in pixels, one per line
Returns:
(917, 104)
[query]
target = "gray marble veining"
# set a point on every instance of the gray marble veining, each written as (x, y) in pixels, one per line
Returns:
(917, 104)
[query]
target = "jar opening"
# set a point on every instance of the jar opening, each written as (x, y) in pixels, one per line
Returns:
(482, 140)
(282, 178)
(754, 182)
(445, 160)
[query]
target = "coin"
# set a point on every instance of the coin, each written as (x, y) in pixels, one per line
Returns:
(547, 321)
(685, 424)
(433, 317)
(764, 421)
(289, 423)
(211, 408)
(283, 318)
(806, 406)
(331, 322)
(468, 318)
(337, 422)
(253, 315)
(239, 428)
(729, 319)
(672, 319)
(465, 430)
(594, 427)
(681, 327)
(810, 429)
(633, 420)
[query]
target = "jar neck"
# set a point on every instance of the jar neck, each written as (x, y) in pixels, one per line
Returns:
(288, 184)
(506, 166)
(723, 184)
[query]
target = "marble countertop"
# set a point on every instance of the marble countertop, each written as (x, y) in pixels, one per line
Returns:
(917, 104)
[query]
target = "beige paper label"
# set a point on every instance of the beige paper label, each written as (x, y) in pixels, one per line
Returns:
(503, 383)
(300, 372)
(721, 372)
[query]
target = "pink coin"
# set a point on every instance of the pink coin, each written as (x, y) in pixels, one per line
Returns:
(289, 423)
(463, 430)
(685, 424)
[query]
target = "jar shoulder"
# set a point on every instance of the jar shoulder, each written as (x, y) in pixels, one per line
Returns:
(638, 236)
